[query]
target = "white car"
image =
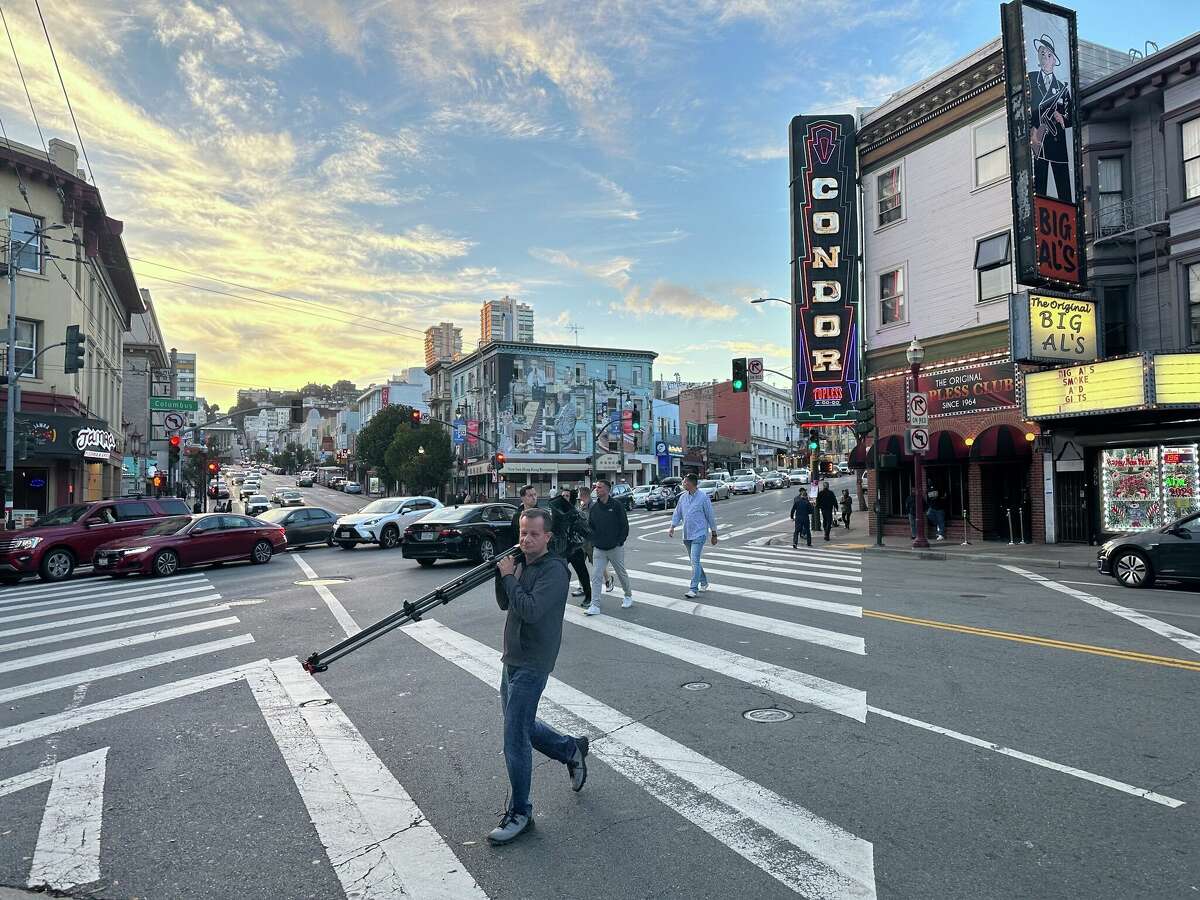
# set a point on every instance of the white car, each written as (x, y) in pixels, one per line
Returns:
(381, 521)
(716, 490)
(798, 476)
(640, 493)
(745, 484)
(720, 475)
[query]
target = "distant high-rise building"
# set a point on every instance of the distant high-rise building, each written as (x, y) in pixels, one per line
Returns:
(442, 342)
(506, 320)
(185, 375)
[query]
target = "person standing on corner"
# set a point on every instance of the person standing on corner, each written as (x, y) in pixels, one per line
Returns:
(827, 505)
(694, 511)
(610, 530)
(847, 508)
(534, 594)
(802, 512)
(528, 495)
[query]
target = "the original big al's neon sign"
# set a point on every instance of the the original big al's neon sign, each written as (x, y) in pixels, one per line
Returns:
(824, 267)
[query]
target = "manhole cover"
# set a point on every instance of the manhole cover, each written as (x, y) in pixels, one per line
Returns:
(316, 582)
(696, 686)
(319, 701)
(773, 714)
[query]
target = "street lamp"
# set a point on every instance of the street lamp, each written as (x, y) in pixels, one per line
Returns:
(769, 299)
(915, 354)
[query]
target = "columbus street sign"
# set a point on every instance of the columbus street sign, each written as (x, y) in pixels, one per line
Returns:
(170, 404)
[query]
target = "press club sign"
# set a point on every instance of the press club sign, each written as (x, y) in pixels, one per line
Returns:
(824, 170)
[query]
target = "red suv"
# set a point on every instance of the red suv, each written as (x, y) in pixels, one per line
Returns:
(54, 544)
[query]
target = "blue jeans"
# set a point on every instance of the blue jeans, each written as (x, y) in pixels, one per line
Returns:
(699, 576)
(520, 690)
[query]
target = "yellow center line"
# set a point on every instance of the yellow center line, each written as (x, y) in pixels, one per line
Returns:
(1130, 655)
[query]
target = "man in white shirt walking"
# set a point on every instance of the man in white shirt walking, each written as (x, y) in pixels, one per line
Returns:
(694, 511)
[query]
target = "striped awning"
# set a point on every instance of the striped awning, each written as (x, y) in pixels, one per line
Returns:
(946, 448)
(1001, 443)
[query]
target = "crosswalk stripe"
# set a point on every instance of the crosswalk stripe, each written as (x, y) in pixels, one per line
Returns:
(799, 686)
(811, 560)
(116, 614)
(744, 531)
(43, 612)
(808, 551)
(71, 679)
(147, 592)
(809, 855)
(60, 636)
(92, 587)
(726, 559)
(774, 579)
(841, 609)
(651, 522)
(807, 633)
(41, 659)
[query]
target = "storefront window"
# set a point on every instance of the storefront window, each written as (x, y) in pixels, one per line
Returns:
(1147, 487)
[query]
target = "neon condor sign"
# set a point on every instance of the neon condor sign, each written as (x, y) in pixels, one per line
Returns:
(824, 267)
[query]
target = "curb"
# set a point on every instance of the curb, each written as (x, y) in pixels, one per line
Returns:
(1035, 562)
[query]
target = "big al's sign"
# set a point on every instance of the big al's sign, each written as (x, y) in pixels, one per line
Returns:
(824, 267)
(1042, 89)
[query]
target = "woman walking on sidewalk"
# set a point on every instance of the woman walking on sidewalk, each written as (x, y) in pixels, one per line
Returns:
(847, 508)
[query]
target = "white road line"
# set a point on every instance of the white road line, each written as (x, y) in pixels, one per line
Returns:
(1184, 639)
(663, 521)
(799, 686)
(105, 629)
(835, 640)
(807, 854)
(753, 528)
(774, 579)
(101, 617)
(814, 551)
(68, 844)
(726, 559)
(841, 609)
(378, 840)
(41, 659)
(1144, 793)
(46, 726)
(71, 679)
(814, 561)
(339, 612)
(60, 610)
(93, 588)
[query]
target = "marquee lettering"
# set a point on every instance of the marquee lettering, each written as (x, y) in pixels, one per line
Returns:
(826, 292)
(824, 188)
(826, 257)
(827, 360)
(826, 222)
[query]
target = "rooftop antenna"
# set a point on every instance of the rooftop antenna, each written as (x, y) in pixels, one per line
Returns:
(575, 329)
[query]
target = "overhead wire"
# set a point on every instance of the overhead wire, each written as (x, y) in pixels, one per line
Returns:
(66, 96)
(28, 96)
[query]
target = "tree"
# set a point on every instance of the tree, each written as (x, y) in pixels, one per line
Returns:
(344, 390)
(320, 391)
(376, 436)
(420, 472)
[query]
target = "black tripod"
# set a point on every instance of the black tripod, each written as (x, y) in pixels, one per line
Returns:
(411, 611)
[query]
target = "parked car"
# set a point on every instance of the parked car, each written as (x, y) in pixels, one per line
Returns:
(640, 493)
(306, 525)
(382, 521)
(183, 541)
(775, 480)
(843, 467)
(336, 483)
(304, 481)
(68, 536)
(798, 476)
(256, 504)
(352, 487)
(720, 475)
(623, 494)
(667, 493)
(1137, 560)
(716, 490)
(475, 531)
(744, 484)
(739, 472)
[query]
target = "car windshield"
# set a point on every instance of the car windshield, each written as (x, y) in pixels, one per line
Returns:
(173, 525)
(745, 478)
(643, 488)
(258, 498)
(450, 514)
(289, 493)
(707, 484)
(382, 506)
(64, 515)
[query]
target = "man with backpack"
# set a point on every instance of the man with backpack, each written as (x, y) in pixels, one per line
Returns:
(571, 534)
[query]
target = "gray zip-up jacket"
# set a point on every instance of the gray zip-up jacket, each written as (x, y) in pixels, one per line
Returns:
(535, 603)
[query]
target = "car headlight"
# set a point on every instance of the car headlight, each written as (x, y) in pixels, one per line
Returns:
(28, 543)
(132, 550)
(371, 522)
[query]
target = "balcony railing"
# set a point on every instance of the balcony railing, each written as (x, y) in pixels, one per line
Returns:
(1123, 217)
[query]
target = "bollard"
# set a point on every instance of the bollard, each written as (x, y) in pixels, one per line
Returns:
(962, 502)
(1021, 513)
(1008, 515)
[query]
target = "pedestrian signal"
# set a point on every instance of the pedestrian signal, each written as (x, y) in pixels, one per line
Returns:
(414, 418)
(498, 461)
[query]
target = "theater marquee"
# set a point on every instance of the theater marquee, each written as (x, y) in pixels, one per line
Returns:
(824, 168)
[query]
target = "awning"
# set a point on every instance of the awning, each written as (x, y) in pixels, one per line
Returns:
(945, 448)
(1001, 443)
(858, 456)
(892, 444)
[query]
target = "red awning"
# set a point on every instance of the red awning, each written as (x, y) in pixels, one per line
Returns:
(1001, 443)
(888, 444)
(946, 447)
(858, 456)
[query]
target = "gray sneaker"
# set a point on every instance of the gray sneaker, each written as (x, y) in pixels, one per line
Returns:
(511, 826)
(577, 769)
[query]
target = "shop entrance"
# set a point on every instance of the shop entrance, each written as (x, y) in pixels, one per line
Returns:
(1071, 507)
(30, 489)
(1003, 493)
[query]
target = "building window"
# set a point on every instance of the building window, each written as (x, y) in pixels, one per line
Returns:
(890, 189)
(1116, 319)
(1191, 158)
(992, 267)
(27, 346)
(580, 372)
(612, 373)
(991, 151)
(1110, 212)
(891, 297)
(637, 376)
(1193, 277)
(25, 228)
(549, 371)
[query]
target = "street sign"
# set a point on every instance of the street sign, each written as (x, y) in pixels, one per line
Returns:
(173, 421)
(918, 409)
(754, 369)
(917, 440)
(460, 436)
(660, 448)
(166, 404)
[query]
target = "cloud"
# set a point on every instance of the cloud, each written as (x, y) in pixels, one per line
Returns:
(668, 299)
(761, 153)
(614, 271)
(500, 119)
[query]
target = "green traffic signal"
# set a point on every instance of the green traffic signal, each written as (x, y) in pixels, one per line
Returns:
(738, 379)
(738, 384)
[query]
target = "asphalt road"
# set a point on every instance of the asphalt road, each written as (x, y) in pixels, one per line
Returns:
(946, 730)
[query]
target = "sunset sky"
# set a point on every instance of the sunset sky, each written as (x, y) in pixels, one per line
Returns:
(619, 165)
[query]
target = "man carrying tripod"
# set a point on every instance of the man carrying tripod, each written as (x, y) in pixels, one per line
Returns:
(534, 593)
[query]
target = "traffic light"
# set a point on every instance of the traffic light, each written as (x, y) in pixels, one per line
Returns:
(214, 468)
(414, 418)
(814, 440)
(498, 462)
(864, 417)
(175, 442)
(636, 422)
(739, 375)
(158, 481)
(76, 343)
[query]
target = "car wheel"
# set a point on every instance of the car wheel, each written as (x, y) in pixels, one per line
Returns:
(261, 553)
(426, 563)
(166, 563)
(58, 564)
(389, 537)
(487, 549)
(1133, 569)
(329, 542)
(346, 545)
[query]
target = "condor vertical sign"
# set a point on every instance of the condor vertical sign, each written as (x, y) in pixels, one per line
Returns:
(1044, 144)
(824, 267)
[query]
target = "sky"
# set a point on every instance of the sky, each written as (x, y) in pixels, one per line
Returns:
(621, 165)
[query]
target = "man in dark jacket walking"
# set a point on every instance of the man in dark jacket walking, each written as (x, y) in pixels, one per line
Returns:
(610, 530)
(534, 593)
(571, 534)
(827, 504)
(802, 513)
